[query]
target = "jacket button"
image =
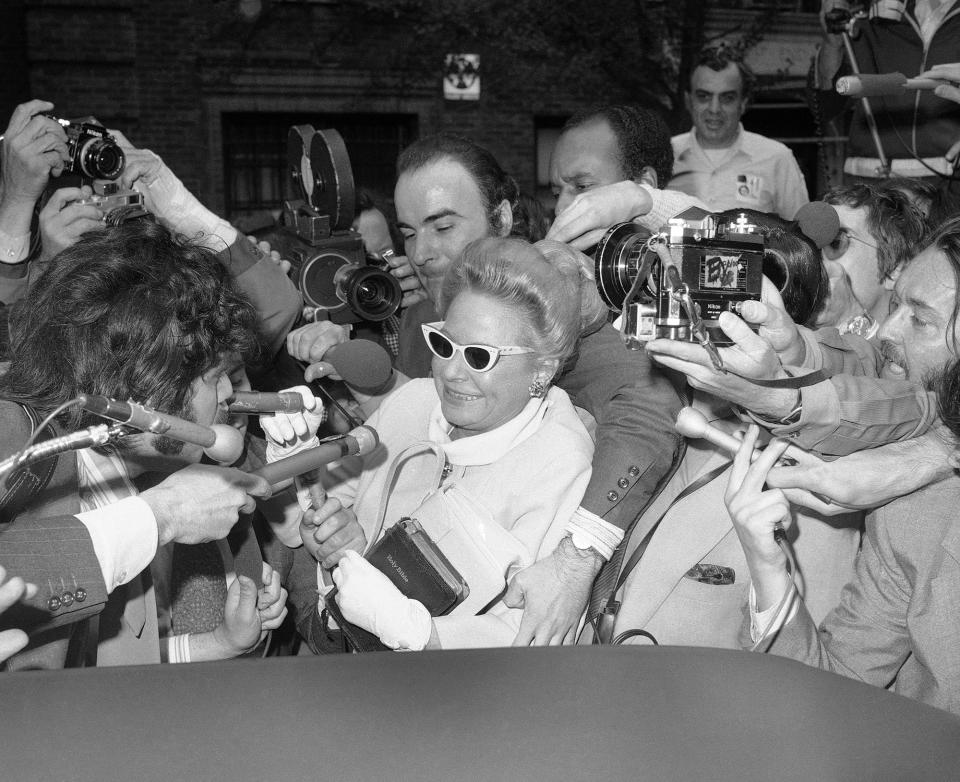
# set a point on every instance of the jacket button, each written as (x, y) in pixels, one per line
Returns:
(613, 496)
(623, 483)
(66, 599)
(53, 603)
(80, 595)
(634, 471)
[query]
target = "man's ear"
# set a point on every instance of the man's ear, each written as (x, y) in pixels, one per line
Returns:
(688, 102)
(890, 281)
(648, 177)
(504, 218)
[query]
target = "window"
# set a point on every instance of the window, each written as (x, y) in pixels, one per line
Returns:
(255, 154)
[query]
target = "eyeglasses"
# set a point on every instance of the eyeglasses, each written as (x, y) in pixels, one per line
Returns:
(480, 358)
(839, 246)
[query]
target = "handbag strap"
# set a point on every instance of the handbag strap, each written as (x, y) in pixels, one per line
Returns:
(417, 448)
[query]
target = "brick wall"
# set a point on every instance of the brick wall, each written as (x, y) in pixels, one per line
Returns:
(164, 72)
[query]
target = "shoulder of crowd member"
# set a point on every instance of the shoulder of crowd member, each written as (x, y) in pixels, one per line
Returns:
(848, 413)
(757, 145)
(835, 353)
(666, 204)
(635, 406)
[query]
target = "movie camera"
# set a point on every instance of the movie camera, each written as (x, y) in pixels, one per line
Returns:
(329, 263)
(837, 19)
(675, 284)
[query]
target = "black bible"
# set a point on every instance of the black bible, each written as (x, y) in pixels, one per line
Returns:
(417, 567)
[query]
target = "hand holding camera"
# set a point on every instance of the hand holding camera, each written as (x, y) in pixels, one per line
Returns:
(401, 268)
(69, 214)
(749, 356)
(34, 147)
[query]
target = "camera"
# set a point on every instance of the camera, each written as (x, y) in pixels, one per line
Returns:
(94, 153)
(839, 16)
(676, 283)
(327, 256)
(118, 206)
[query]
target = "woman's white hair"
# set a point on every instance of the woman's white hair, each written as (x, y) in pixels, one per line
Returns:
(569, 261)
(546, 296)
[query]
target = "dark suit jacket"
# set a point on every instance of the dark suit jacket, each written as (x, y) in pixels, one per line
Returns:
(48, 546)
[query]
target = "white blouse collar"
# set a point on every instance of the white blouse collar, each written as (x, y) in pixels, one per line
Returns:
(488, 447)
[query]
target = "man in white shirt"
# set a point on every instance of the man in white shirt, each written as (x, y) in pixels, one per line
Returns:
(721, 163)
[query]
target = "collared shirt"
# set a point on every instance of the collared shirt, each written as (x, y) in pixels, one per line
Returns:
(755, 173)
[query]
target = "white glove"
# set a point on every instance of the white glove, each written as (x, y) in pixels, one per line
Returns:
(369, 599)
(290, 433)
(179, 210)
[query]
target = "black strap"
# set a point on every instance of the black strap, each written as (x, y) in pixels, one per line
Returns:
(800, 381)
(690, 488)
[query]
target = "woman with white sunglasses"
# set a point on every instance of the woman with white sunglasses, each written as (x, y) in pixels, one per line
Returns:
(487, 446)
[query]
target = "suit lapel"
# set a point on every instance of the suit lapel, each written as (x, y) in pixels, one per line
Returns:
(693, 527)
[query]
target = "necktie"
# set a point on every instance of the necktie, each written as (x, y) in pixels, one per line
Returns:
(198, 588)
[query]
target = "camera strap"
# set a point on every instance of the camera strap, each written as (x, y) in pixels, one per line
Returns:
(799, 381)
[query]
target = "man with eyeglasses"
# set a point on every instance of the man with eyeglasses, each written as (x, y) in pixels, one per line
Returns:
(879, 230)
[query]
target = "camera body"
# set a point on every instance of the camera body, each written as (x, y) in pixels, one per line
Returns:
(328, 259)
(332, 269)
(695, 262)
(94, 153)
(117, 205)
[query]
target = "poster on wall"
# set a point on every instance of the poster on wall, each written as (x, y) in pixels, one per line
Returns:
(461, 77)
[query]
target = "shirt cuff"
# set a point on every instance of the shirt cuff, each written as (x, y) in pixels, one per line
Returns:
(178, 648)
(588, 530)
(124, 537)
(766, 623)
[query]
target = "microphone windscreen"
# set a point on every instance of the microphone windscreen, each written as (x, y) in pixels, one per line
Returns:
(360, 363)
(818, 221)
(228, 446)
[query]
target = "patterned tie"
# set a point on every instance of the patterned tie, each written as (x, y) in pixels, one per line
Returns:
(198, 588)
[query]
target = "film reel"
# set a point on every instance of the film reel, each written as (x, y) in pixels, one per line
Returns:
(320, 168)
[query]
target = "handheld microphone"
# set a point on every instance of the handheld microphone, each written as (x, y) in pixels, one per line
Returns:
(819, 222)
(358, 442)
(360, 363)
(254, 402)
(221, 443)
(869, 85)
(694, 424)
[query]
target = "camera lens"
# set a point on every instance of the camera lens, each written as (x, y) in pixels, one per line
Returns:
(371, 293)
(102, 159)
(620, 259)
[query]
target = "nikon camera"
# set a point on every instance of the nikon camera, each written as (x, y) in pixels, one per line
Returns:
(94, 153)
(695, 261)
